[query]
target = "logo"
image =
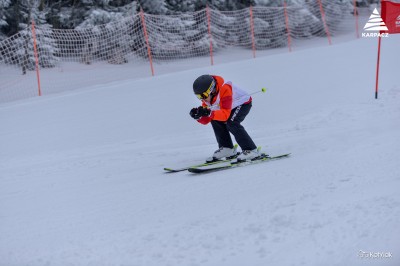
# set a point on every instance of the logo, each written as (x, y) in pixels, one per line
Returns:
(376, 23)
(398, 21)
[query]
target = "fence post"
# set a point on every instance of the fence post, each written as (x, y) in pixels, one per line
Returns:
(356, 17)
(324, 21)
(36, 57)
(147, 40)
(252, 32)
(377, 67)
(287, 26)
(209, 33)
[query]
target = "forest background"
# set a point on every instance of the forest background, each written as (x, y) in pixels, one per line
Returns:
(16, 15)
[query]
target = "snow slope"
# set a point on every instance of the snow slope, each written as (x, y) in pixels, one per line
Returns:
(81, 179)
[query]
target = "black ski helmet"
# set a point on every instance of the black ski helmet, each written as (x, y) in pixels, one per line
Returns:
(205, 84)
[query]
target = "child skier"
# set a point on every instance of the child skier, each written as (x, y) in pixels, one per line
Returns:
(225, 105)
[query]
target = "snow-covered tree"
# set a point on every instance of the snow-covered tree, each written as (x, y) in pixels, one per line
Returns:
(68, 16)
(276, 3)
(28, 11)
(104, 27)
(366, 3)
(105, 32)
(227, 5)
(181, 5)
(179, 36)
(157, 7)
(4, 4)
(335, 12)
(229, 28)
(102, 13)
(302, 23)
(269, 28)
(46, 44)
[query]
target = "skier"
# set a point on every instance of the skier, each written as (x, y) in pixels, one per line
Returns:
(225, 105)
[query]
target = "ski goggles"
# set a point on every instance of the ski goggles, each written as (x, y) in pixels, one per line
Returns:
(208, 92)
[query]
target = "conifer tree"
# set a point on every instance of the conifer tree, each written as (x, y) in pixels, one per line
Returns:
(4, 4)
(157, 7)
(181, 5)
(31, 11)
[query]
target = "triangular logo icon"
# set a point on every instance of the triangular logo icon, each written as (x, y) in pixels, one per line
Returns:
(375, 22)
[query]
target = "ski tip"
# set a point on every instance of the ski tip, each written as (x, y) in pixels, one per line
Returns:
(170, 170)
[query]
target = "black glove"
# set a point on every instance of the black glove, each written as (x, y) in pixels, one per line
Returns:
(194, 113)
(197, 113)
(202, 111)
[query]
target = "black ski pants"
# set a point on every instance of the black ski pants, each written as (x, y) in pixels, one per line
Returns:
(232, 125)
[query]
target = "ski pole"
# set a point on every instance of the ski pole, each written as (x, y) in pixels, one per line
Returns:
(263, 90)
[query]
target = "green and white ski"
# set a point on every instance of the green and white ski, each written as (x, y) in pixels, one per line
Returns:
(180, 169)
(233, 164)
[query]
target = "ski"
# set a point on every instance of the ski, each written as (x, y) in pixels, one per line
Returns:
(233, 164)
(180, 169)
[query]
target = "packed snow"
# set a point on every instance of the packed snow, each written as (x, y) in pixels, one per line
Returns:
(82, 180)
